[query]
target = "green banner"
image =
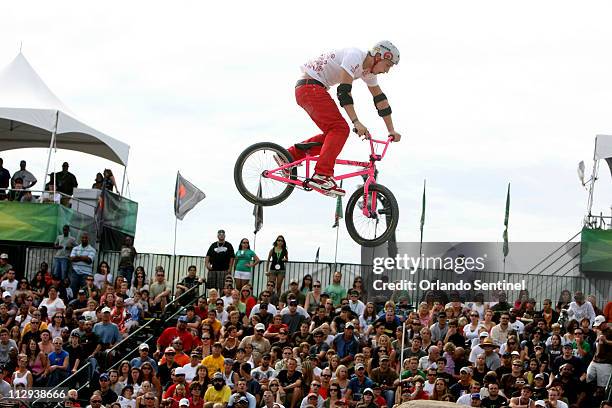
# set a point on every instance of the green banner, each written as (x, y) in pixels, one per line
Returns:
(36, 222)
(118, 213)
(28, 221)
(596, 250)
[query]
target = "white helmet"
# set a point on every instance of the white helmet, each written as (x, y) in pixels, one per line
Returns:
(387, 51)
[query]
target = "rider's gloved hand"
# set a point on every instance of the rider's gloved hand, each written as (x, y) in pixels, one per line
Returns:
(361, 130)
(396, 136)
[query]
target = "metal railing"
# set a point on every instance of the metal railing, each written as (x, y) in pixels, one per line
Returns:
(46, 196)
(543, 281)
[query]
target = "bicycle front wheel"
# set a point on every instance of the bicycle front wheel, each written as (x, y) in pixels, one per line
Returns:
(377, 227)
(249, 174)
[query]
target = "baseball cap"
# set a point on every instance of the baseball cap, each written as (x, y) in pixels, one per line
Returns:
(6, 294)
(242, 399)
(568, 345)
(170, 350)
(484, 334)
(82, 292)
(476, 396)
(540, 403)
(293, 282)
(221, 231)
(143, 346)
(312, 394)
(368, 390)
(359, 366)
(217, 376)
(4, 256)
(184, 402)
(540, 375)
(229, 361)
(260, 326)
(293, 302)
(599, 320)
(182, 319)
(106, 310)
(179, 371)
(104, 377)
(515, 353)
(349, 325)
(466, 370)
(385, 357)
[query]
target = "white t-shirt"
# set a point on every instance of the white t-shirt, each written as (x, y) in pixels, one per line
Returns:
(190, 371)
(52, 306)
(328, 67)
(10, 287)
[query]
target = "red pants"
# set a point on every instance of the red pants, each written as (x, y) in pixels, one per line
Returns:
(322, 109)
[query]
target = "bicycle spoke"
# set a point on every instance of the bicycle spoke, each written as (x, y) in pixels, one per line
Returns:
(252, 170)
(372, 226)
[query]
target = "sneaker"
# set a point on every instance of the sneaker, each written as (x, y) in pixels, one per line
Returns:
(281, 161)
(327, 184)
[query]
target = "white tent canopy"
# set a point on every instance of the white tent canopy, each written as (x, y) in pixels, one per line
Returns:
(603, 147)
(30, 112)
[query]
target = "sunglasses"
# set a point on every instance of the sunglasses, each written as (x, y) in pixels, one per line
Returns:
(316, 286)
(326, 375)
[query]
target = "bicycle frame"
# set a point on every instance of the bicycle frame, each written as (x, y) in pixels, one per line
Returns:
(369, 169)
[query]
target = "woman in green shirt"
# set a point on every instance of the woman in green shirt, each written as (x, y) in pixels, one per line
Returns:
(246, 260)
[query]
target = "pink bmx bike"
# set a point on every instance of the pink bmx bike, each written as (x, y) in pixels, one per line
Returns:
(372, 212)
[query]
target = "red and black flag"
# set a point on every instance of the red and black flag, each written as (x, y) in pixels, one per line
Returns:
(186, 196)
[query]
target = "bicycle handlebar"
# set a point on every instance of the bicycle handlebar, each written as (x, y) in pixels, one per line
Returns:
(369, 137)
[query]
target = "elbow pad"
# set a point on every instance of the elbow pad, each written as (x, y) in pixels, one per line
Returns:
(344, 94)
(385, 111)
(379, 98)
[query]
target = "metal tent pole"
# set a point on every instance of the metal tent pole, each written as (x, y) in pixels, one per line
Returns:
(53, 135)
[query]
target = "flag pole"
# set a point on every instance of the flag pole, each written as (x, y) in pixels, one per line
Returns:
(505, 248)
(174, 251)
(422, 220)
(336, 252)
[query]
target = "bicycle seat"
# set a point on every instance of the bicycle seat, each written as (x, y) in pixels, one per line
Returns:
(307, 146)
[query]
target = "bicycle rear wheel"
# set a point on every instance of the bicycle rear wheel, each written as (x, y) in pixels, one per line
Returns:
(249, 173)
(376, 228)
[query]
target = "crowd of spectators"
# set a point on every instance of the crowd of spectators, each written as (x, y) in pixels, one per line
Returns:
(59, 189)
(311, 345)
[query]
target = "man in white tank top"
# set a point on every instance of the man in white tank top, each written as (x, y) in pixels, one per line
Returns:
(340, 67)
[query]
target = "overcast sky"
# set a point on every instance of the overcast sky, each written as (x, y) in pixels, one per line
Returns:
(486, 93)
